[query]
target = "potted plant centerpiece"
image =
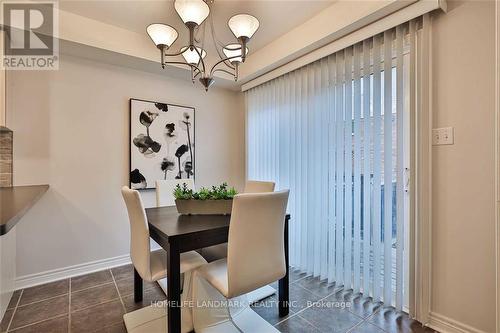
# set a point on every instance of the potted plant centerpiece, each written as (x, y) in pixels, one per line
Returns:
(217, 200)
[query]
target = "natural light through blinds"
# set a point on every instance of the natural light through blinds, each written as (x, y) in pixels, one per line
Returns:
(336, 133)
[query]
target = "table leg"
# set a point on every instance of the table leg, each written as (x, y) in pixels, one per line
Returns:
(284, 294)
(173, 290)
(137, 287)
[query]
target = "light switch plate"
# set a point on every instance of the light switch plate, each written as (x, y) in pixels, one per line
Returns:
(442, 136)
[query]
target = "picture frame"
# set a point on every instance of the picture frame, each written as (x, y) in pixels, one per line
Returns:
(162, 142)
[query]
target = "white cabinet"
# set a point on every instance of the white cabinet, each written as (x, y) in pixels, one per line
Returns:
(15, 202)
(7, 268)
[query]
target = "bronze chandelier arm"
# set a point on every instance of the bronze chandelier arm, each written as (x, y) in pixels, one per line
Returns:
(196, 72)
(217, 42)
(182, 63)
(223, 61)
(201, 59)
(224, 71)
(173, 54)
(228, 64)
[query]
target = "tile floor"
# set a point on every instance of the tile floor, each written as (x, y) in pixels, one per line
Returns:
(96, 303)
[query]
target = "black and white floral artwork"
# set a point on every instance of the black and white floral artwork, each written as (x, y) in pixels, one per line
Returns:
(161, 143)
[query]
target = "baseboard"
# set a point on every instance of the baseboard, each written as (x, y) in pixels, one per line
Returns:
(444, 324)
(36, 279)
(31, 280)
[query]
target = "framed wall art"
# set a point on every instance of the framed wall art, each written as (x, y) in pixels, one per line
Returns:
(162, 142)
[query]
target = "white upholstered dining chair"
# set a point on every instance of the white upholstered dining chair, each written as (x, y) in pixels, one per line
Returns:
(151, 266)
(256, 186)
(165, 190)
(219, 251)
(255, 258)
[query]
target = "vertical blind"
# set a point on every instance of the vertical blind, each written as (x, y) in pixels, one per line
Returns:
(333, 133)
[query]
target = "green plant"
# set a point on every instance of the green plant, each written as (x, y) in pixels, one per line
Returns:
(183, 193)
(221, 192)
(202, 194)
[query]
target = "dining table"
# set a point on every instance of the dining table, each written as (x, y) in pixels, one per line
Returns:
(176, 234)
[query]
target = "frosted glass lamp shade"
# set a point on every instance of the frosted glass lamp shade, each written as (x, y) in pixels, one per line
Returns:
(191, 56)
(195, 11)
(243, 25)
(234, 50)
(162, 34)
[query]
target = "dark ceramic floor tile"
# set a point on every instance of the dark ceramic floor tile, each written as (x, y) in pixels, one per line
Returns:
(96, 307)
(268, 309)
(328, 319)
(97, 317)
(366, 327)
(126, 286)
(150, 296)
(116, 328)
(296, 324)
(93, 296)
(35, 312)
(355, 303)
(123, 272)
(343, 295)
(56, 325)
(4, 324)
(44, 291)
(14, 299)
(301, 298)
(90, 280)
(295, 274)
(314, 285)
(364, 307)
(393, 321)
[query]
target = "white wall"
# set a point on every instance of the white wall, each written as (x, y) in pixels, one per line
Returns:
(463, 244)
(71, 131)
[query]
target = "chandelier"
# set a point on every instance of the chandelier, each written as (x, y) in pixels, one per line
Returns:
(194, 14)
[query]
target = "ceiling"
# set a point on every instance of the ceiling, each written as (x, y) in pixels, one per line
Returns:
(276, 17)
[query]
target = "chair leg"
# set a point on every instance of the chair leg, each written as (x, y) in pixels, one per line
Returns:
(232, 320)
(137, 287)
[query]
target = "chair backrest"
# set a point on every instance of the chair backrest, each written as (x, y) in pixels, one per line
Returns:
(165, 190)
(256, 252)
(254, 186)
(139, 232)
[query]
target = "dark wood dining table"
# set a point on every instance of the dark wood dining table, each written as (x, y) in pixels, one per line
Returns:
(181, 233)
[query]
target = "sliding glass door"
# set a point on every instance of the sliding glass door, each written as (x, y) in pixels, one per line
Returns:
(336, 133)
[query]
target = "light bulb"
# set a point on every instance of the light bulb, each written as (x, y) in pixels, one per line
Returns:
(162, 34)
(234, 50)
(243, 25)
(195, 11)
(191, 56)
